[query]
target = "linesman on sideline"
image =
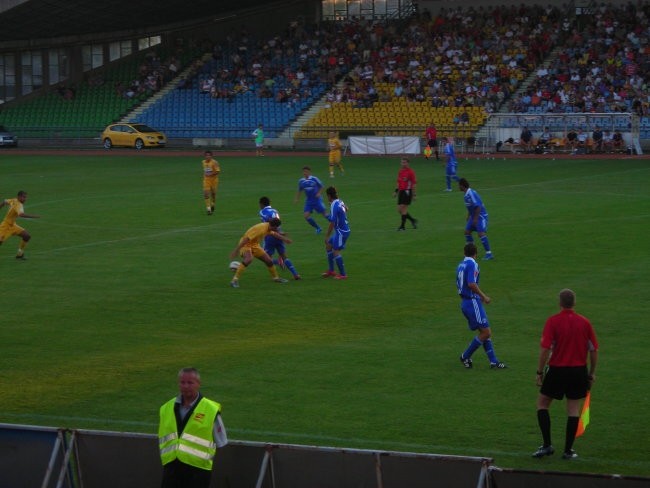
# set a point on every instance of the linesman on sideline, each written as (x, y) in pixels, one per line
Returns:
(567, 340)
(431, 135)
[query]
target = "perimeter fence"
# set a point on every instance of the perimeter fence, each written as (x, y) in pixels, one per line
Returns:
(50, 457)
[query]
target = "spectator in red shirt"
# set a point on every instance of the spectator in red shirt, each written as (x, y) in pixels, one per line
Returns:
(570, 338)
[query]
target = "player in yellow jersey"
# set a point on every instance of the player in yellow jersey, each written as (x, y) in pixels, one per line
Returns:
(334, 146)
(8, 226)
(250, 246)
(211, 170)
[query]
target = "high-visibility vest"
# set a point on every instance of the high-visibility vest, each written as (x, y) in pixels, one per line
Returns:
(195, 445)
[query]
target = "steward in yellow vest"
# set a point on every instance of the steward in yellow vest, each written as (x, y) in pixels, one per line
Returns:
(189, 433)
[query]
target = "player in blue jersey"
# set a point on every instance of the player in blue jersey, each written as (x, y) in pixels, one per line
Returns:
(312, 187)
(452, 162)
(337, 235)
(272, 243)
(472, 299)
(477, 217)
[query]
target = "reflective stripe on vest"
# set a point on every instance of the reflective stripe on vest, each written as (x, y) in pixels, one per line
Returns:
(195, 446)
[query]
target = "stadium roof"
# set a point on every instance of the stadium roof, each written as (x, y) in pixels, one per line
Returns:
(46, 19)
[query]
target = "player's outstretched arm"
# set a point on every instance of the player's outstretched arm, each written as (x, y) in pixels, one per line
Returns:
(243, 242)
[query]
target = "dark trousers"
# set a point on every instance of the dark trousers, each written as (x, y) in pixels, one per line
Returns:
(180, 475)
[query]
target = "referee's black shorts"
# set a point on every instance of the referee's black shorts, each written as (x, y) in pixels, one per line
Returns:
(570, 381)
(404, 197)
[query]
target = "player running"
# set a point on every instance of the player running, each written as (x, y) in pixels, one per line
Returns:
(8, 226)
(312, 187)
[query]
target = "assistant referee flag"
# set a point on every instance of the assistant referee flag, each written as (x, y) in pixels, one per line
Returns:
(584, 415)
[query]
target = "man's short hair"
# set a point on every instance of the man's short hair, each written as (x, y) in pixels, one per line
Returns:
(331, 191)
(190, 370)
(307, 168)
(567, 298)
(265, 201)
(275, 222)
(470, 249)
(463, 182)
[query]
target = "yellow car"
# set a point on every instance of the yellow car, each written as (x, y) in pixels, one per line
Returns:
(132, 135)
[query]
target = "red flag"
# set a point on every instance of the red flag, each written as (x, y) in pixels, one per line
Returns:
(584, 416)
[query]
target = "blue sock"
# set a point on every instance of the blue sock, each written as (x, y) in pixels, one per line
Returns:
(469, 238)
(489, 350)
(289, 264)
(339, 264)
(330, 260)
(448, 182)
(473, 346)
(486, 243)
(313, 223)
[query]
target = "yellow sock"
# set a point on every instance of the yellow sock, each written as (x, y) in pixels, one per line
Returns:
(239, 271)
(273, 271)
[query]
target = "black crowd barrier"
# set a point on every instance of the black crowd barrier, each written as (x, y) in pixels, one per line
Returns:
(32, 457)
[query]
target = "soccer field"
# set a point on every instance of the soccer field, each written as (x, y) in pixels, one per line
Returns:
(127, 281)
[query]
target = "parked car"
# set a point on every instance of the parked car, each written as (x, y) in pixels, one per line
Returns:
(132, 135)
(7, 138)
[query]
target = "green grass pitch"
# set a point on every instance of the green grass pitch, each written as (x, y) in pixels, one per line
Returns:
(127, 281)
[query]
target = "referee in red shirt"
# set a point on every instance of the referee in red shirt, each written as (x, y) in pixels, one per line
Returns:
(567, 340)
(405, 193)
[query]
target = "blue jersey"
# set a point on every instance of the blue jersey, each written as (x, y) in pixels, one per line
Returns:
(452, 163)
(339, 216)
(271, 244)
(311, 186)
(471, 305)
(268, 213)
(472, 202)
(466, 273)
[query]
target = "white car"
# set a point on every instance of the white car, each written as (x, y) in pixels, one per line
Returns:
(7, 138)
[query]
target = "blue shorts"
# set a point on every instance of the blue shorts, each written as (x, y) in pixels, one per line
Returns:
(481, 225)
(314, 205)
(271, 244)
(473, 311)
(451, 169)
(338, 239)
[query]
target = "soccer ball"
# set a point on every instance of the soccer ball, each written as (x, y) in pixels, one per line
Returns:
(234, 265)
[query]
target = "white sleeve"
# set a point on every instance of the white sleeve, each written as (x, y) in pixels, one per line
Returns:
(219, 432)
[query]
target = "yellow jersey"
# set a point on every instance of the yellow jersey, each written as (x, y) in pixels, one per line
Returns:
(211, 168)
(256, 233)
(334, 144)
(15, 209)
